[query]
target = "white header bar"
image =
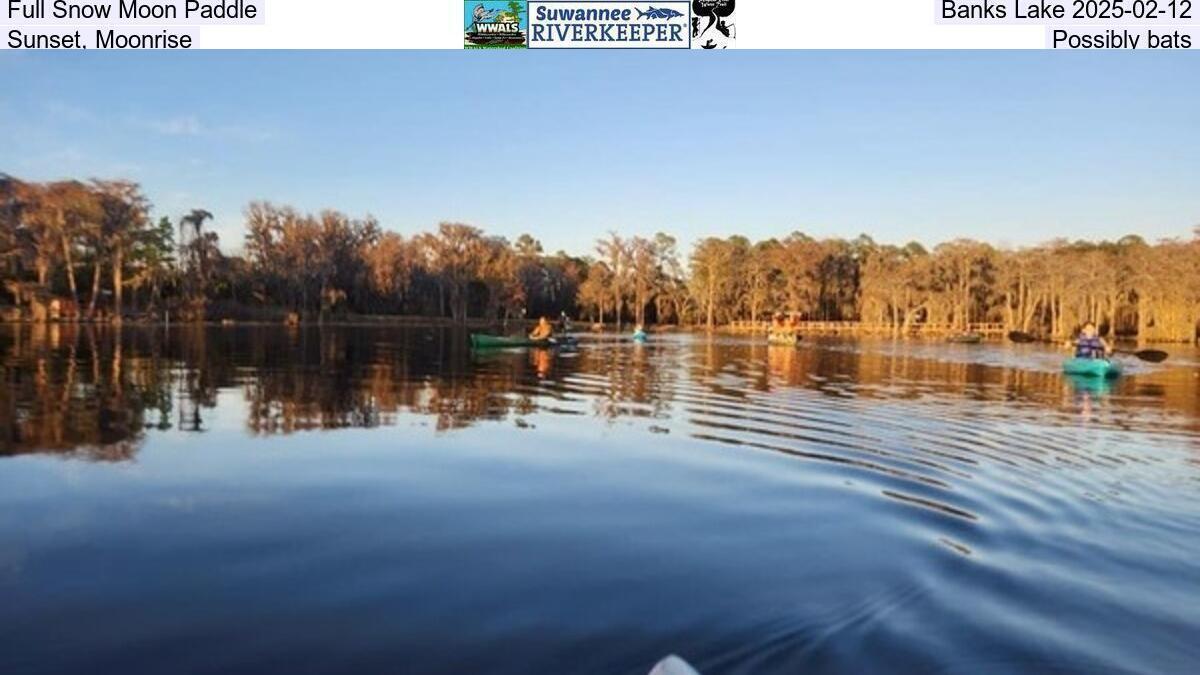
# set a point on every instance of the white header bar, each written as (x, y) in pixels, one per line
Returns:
(760, 24)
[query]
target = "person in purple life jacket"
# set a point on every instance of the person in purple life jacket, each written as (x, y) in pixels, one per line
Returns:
(1089, 344)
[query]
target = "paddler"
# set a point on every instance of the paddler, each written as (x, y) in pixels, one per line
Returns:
(544, 330)
(780, 330)
(778, 323)
(1089, 344)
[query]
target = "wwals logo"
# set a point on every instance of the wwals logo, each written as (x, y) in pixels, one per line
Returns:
(495, 24)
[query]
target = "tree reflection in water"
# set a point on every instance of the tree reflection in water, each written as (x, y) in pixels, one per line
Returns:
(96, 392)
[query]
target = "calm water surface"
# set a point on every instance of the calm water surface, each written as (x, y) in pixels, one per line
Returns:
(371, 499)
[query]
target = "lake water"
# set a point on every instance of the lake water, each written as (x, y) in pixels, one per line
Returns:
(259, 499)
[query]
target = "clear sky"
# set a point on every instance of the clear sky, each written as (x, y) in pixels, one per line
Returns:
(1013, 148)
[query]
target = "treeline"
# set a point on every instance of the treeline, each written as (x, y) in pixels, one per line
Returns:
(90, 250)
(1128, 287)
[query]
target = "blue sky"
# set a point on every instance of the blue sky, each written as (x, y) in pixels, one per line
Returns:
(1014, 148)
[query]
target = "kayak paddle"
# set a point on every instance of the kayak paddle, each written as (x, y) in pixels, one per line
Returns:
(1150, 355)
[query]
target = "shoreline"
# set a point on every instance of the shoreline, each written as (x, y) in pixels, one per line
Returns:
(938, 334)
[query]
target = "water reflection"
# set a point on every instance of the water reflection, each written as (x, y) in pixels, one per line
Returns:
(96, 392)
(913, 426)
(75, 391)
(843, 506)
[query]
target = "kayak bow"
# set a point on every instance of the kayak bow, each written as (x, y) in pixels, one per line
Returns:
(673, 665)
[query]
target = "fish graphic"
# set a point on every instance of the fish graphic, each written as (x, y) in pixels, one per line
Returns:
(483, 15)
(658, 13)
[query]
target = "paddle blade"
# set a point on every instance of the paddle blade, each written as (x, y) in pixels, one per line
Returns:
(1018, 336)
(1151, 355)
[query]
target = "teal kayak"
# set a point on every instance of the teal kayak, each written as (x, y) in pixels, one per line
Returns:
(640, 336)
(485, 341)
(1091, 367)
(1085, 384)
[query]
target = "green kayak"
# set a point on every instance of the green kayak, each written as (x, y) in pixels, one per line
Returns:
(485, 341)
(1091, 367)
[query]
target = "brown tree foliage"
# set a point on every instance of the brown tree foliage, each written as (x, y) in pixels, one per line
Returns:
(93, 248)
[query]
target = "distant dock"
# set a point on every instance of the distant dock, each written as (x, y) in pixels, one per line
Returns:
(987, 330)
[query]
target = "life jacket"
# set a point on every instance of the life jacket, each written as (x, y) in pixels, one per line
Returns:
(1089, 348)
